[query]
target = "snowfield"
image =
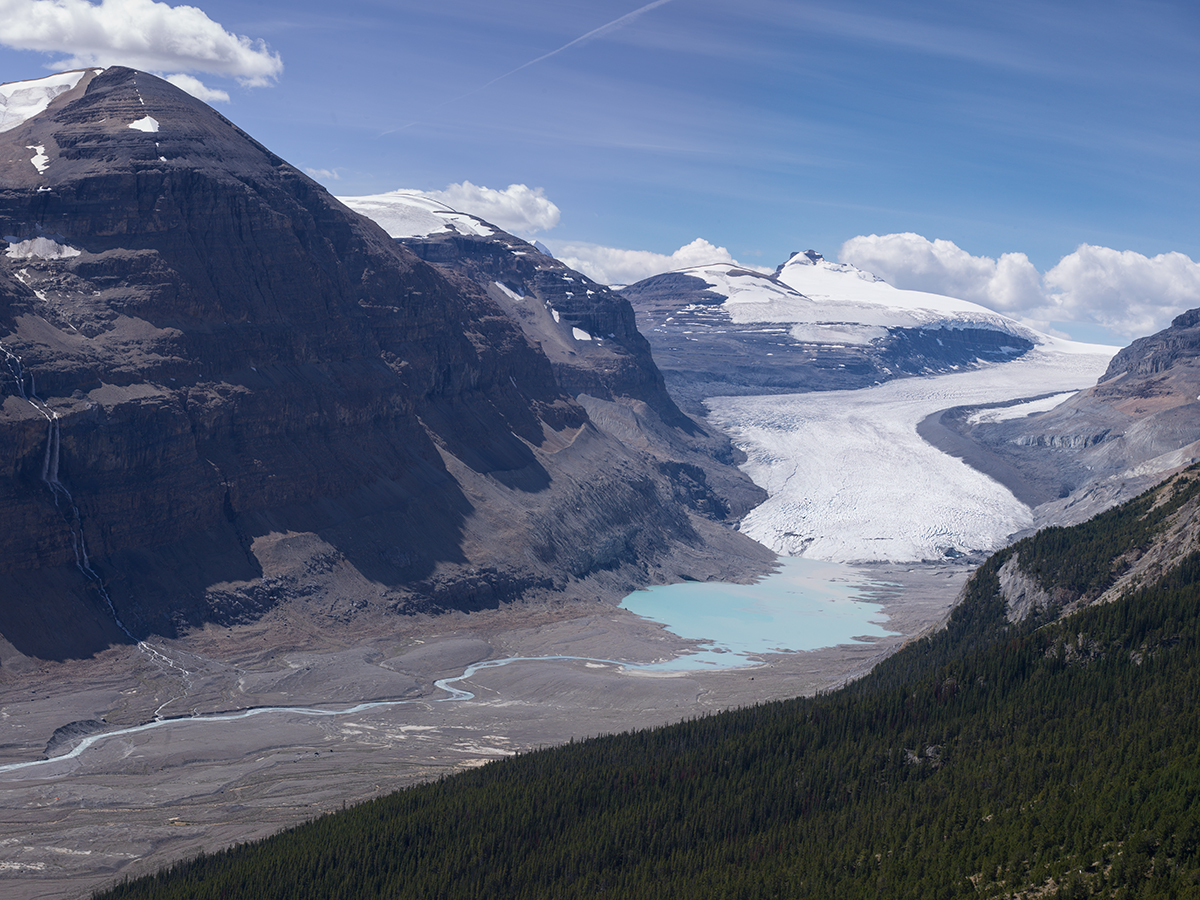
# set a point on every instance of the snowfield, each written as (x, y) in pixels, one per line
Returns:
(39, 248)
(407, 214)
(850, 480)
(834, 303)
(20, 101)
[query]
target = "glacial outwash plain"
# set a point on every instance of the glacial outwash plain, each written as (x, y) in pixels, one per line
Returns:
(307, 499)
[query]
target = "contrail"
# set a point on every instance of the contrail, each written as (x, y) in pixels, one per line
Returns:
(595, 32)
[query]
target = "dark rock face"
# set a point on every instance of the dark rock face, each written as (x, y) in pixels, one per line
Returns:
(553, 303)
(1177, 345)
(589, 334)
(703, 353)
(223, 390)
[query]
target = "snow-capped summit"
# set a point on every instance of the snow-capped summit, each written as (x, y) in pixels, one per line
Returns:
(813, 258)
(844, 293)
(20, 101)
(813, 325)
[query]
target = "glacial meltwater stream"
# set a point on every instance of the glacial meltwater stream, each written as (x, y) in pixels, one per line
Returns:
(806, 605)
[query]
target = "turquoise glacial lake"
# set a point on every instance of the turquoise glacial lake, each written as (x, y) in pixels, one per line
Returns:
(806, 605)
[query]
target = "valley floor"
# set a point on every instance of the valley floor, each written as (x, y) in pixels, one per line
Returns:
(131, 803)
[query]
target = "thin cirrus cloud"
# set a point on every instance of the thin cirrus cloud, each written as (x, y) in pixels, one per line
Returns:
(1120, 290)
(610, 26)
(144, 34)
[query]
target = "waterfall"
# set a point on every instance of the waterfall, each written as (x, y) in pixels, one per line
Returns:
(18, 372)
(74, 519)
(50, 463)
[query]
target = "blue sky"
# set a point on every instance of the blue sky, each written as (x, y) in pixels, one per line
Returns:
(762, 126)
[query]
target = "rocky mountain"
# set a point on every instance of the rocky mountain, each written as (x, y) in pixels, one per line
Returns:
(813, 325)
(224, 391)
(1138, 424)
(586, 330)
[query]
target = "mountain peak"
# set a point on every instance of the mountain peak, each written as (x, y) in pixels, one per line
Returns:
(806, 258)
(122, 119)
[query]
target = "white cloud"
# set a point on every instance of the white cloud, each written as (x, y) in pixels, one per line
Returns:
(198, 89)
(612, 265)
(324, 174)
(518, 208)
(1125, 292)
(143, 34)
(912, 262)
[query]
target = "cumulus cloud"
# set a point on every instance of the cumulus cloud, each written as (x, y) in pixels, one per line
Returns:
(197, 88)
(518, 208)
(144, 34)
(611, 265)
(912, 262)
(324, 174)
(1125, 292)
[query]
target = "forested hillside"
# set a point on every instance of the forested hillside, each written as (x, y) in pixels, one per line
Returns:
(1041, 758)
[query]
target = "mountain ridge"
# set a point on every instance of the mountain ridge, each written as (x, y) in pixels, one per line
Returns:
(724, 330)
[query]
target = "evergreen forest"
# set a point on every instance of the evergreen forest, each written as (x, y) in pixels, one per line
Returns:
(1055, 757)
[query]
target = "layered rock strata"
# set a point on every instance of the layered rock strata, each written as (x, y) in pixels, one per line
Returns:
(222, 391)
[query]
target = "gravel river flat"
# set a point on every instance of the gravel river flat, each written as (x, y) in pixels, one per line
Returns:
(131, 802)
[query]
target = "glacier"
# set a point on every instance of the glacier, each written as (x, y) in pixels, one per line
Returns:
(850, 480)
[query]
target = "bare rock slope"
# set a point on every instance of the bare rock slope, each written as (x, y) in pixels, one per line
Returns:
(224, 391)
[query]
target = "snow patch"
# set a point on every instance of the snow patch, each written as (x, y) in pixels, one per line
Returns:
(39, 248)
(508, 292)
(148, 124)
(837, 333)
(580, 335)
(554, 312)
(40, 160)
(1020, 410)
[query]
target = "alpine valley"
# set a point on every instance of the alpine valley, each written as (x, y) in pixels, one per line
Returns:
(306, 499)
